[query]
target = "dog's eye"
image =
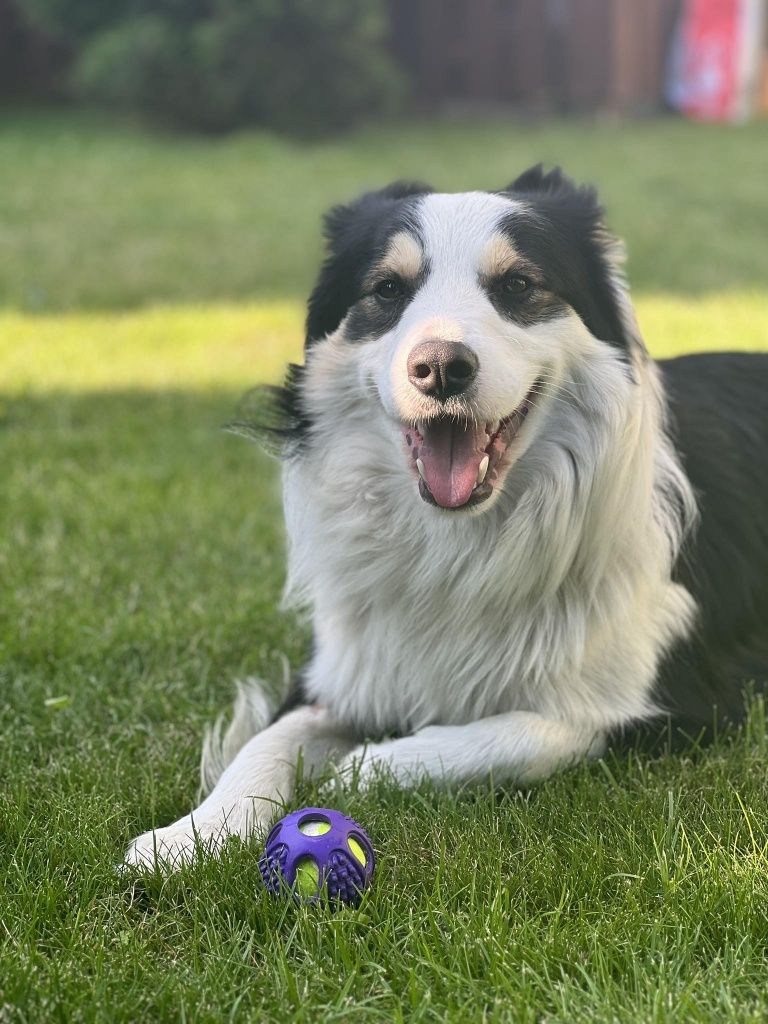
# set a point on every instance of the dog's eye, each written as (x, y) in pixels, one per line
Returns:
(389, 288)
(515, 284)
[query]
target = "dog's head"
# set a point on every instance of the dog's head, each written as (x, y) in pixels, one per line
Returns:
(443, 325)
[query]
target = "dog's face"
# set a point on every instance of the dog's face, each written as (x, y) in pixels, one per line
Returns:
(451, 321)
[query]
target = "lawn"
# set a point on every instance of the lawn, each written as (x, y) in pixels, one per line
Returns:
(145, 283)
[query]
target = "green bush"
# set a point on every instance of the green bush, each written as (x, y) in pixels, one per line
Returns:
(142, 64)
(303, 66)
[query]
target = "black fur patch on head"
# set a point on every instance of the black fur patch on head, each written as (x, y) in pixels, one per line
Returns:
(372, 316)
(357, 236)
(564, 238)
(534, 305)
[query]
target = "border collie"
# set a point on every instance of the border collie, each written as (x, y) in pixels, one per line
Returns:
(516, 534)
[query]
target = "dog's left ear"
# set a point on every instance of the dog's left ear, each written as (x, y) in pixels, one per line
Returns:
(568, 232)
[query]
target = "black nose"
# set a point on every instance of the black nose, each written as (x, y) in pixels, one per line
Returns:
(442, 368)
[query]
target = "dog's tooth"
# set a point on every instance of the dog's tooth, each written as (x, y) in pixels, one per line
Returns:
(420, 467)
(483, 469)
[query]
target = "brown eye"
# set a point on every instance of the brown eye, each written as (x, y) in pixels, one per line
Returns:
(389, 288)
(515, 284)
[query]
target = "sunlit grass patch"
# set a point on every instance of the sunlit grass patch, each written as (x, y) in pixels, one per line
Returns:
(179, 346)
(236, 345)
(715, 321)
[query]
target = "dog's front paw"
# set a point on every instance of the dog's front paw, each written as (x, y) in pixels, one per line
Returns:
(189, 838)
(171, 847)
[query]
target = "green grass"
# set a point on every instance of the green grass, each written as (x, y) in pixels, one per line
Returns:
(146, 282)
(93, 217)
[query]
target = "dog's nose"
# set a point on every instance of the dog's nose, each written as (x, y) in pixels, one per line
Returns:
(442, 368)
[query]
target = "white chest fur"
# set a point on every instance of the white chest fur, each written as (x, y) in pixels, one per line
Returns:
(558, 599)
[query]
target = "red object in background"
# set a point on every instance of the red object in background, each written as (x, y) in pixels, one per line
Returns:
(715, 58)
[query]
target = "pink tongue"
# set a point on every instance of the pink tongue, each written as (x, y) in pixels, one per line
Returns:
(451, 453)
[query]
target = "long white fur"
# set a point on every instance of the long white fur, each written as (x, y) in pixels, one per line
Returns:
(251, 713)
(506, 641)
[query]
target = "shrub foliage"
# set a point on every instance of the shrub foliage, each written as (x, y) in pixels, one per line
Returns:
(302, 66)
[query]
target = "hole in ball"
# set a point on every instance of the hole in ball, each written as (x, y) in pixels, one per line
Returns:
(314, 826)
(274, 833)
(307, 876)
(357, 851)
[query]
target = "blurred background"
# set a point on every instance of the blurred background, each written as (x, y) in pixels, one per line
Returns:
(311, 68)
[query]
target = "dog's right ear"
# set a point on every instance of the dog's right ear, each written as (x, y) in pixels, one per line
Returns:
(356, 235)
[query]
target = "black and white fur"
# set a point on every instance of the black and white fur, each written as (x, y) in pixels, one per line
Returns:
(511, 637)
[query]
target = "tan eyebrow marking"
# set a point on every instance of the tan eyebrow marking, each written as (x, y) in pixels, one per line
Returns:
(403, 257)
(498, 256)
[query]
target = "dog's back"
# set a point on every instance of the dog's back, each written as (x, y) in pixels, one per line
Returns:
(719, 422)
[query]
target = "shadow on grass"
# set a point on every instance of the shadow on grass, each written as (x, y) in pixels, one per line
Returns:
(139, 542)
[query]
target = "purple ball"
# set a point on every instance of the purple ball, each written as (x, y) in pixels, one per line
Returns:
(317, 852)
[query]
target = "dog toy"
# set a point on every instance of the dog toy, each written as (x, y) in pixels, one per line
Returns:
(318, 853)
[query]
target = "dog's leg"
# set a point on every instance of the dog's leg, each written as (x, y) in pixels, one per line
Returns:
(251, 789)
(520, 747)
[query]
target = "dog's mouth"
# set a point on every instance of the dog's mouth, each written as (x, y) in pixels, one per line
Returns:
(460, 462)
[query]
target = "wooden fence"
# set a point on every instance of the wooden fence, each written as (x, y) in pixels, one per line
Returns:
(539, 55)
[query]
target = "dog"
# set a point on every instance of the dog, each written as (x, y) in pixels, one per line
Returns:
(516, 535)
